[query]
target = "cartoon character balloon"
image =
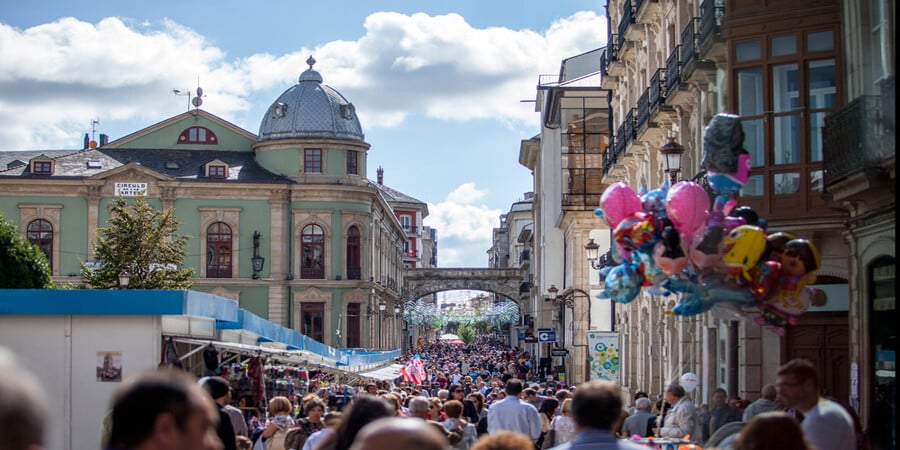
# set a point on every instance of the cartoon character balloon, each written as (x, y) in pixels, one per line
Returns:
(726, 161)
(799, 263)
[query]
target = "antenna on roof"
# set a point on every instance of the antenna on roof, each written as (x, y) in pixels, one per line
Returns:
(198, 100)
(186, 92)
(94, 122)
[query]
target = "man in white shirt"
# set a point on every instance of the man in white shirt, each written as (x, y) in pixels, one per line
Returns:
(679, 421)
(513, 414)
(826, 424)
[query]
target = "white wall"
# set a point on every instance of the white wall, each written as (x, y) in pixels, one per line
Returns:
(62, 352)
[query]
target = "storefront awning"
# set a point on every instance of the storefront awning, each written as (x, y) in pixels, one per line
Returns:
(385, 373)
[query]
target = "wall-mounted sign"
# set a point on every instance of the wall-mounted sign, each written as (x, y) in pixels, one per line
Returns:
(546, 335)
(130, 189)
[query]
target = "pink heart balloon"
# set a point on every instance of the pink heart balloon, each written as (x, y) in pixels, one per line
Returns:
(687, 205)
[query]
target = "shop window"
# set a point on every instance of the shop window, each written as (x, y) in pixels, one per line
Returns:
(218, 251)
(197, 135)
(40, 233)
(882, 302)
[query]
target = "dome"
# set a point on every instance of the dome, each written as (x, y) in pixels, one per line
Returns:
(310, 110)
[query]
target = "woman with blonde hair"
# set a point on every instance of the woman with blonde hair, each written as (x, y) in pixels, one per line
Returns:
(279, 423)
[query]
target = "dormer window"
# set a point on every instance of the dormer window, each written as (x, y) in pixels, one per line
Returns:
(42, 165)
(217, 169)
(197, 135)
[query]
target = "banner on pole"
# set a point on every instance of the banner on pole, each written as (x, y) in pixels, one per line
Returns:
(603, 355)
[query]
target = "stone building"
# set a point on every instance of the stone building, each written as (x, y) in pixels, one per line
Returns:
(283, 221)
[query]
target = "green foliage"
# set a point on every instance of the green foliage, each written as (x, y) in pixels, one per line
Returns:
(466, 333)
(141, 241)
(22, 264)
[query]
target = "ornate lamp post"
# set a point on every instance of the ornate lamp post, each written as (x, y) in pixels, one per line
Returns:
(672, 152)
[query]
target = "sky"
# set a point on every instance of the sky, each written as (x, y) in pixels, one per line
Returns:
(444, 88)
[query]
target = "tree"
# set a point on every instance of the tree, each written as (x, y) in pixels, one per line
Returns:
(22, 264)
(466, 333)
(141, 241)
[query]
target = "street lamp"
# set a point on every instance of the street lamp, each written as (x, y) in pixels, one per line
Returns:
(256, 260)
(672, 152)
(124, 279)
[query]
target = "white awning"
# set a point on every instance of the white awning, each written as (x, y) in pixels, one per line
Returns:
(449, 337)
(384, 373)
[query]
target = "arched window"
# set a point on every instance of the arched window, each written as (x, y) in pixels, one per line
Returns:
(197, 135)
(354, 271)
(40, 233)
(218, 251)
(312, 264)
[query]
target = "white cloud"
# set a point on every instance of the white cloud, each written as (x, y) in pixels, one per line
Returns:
(55, 77)
(464, 227)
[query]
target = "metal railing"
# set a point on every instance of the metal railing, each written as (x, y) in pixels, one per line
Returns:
(627, 19)
(609, 158)
(657, 95)
(851, 139)
(673, 70)
(643, 110)
(689, 38)
(710, 20)
(612, 49)
(630, 131)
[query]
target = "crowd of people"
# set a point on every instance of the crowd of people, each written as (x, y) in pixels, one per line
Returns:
(481, 396)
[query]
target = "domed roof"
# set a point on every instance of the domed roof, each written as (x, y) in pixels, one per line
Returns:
(310, 110)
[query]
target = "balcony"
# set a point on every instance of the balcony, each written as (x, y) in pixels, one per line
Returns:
(857, 161)
(677, 92)
(632, 31)
(693, 68)
(645, 11)
(607, 81)
(614, 66)
(410, 254)
(712, 44)
(660, 112)
(411, 229)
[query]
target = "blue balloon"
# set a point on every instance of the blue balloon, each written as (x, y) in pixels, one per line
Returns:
(622, 283)
(655, 201)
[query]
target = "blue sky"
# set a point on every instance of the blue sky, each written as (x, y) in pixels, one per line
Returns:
(438, 84)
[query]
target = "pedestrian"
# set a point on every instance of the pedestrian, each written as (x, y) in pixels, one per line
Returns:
(456, 423)
(721, 412)
(513, 414)
(596, 407)
(641, 421)
(504, 440)
(360, 412)
(306, 426)
(679, 419)
(398, 433)
(219, 390)
(773, 430)
(331, 419)
(765, 403)
(562, 428)
(24, 414)
(547, 412)
(164, 410)
(826, 423)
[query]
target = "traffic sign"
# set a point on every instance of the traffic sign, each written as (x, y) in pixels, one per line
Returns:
(545, 335)
(559, 352)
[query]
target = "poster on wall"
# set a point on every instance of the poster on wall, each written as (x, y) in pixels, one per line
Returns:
(603, 355)
(109, 366)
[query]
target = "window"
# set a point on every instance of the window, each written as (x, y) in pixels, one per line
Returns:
(882, 330)
(40, 233)
(312, 160)
(352, 162)
(197, 135)
(218, 251)
(313, 320)
(354, 325)
(312, 240)
(354, 271)
(216, 171)
(785, 84)
(42, 167)
(405, 222)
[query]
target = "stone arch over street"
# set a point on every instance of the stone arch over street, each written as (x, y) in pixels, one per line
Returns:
(418, 283)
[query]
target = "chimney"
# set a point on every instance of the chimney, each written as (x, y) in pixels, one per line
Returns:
(380, 175)
(87, 140)
(104, 139)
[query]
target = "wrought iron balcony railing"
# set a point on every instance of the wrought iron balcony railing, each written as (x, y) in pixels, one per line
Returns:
(657, 93)
(673, 70)
(710, 21)
(627, 19)
(689, 37)
(643, 110)
(851, 140)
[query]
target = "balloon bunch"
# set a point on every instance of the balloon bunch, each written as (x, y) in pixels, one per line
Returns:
(673, 240)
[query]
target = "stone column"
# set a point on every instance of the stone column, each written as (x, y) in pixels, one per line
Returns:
(93, 215)
(280, 238)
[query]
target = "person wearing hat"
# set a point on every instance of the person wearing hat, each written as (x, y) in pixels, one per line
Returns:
(220, 391)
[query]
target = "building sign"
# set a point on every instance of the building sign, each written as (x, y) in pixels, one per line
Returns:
(603, 355)
(130, 189)
(546, 335)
